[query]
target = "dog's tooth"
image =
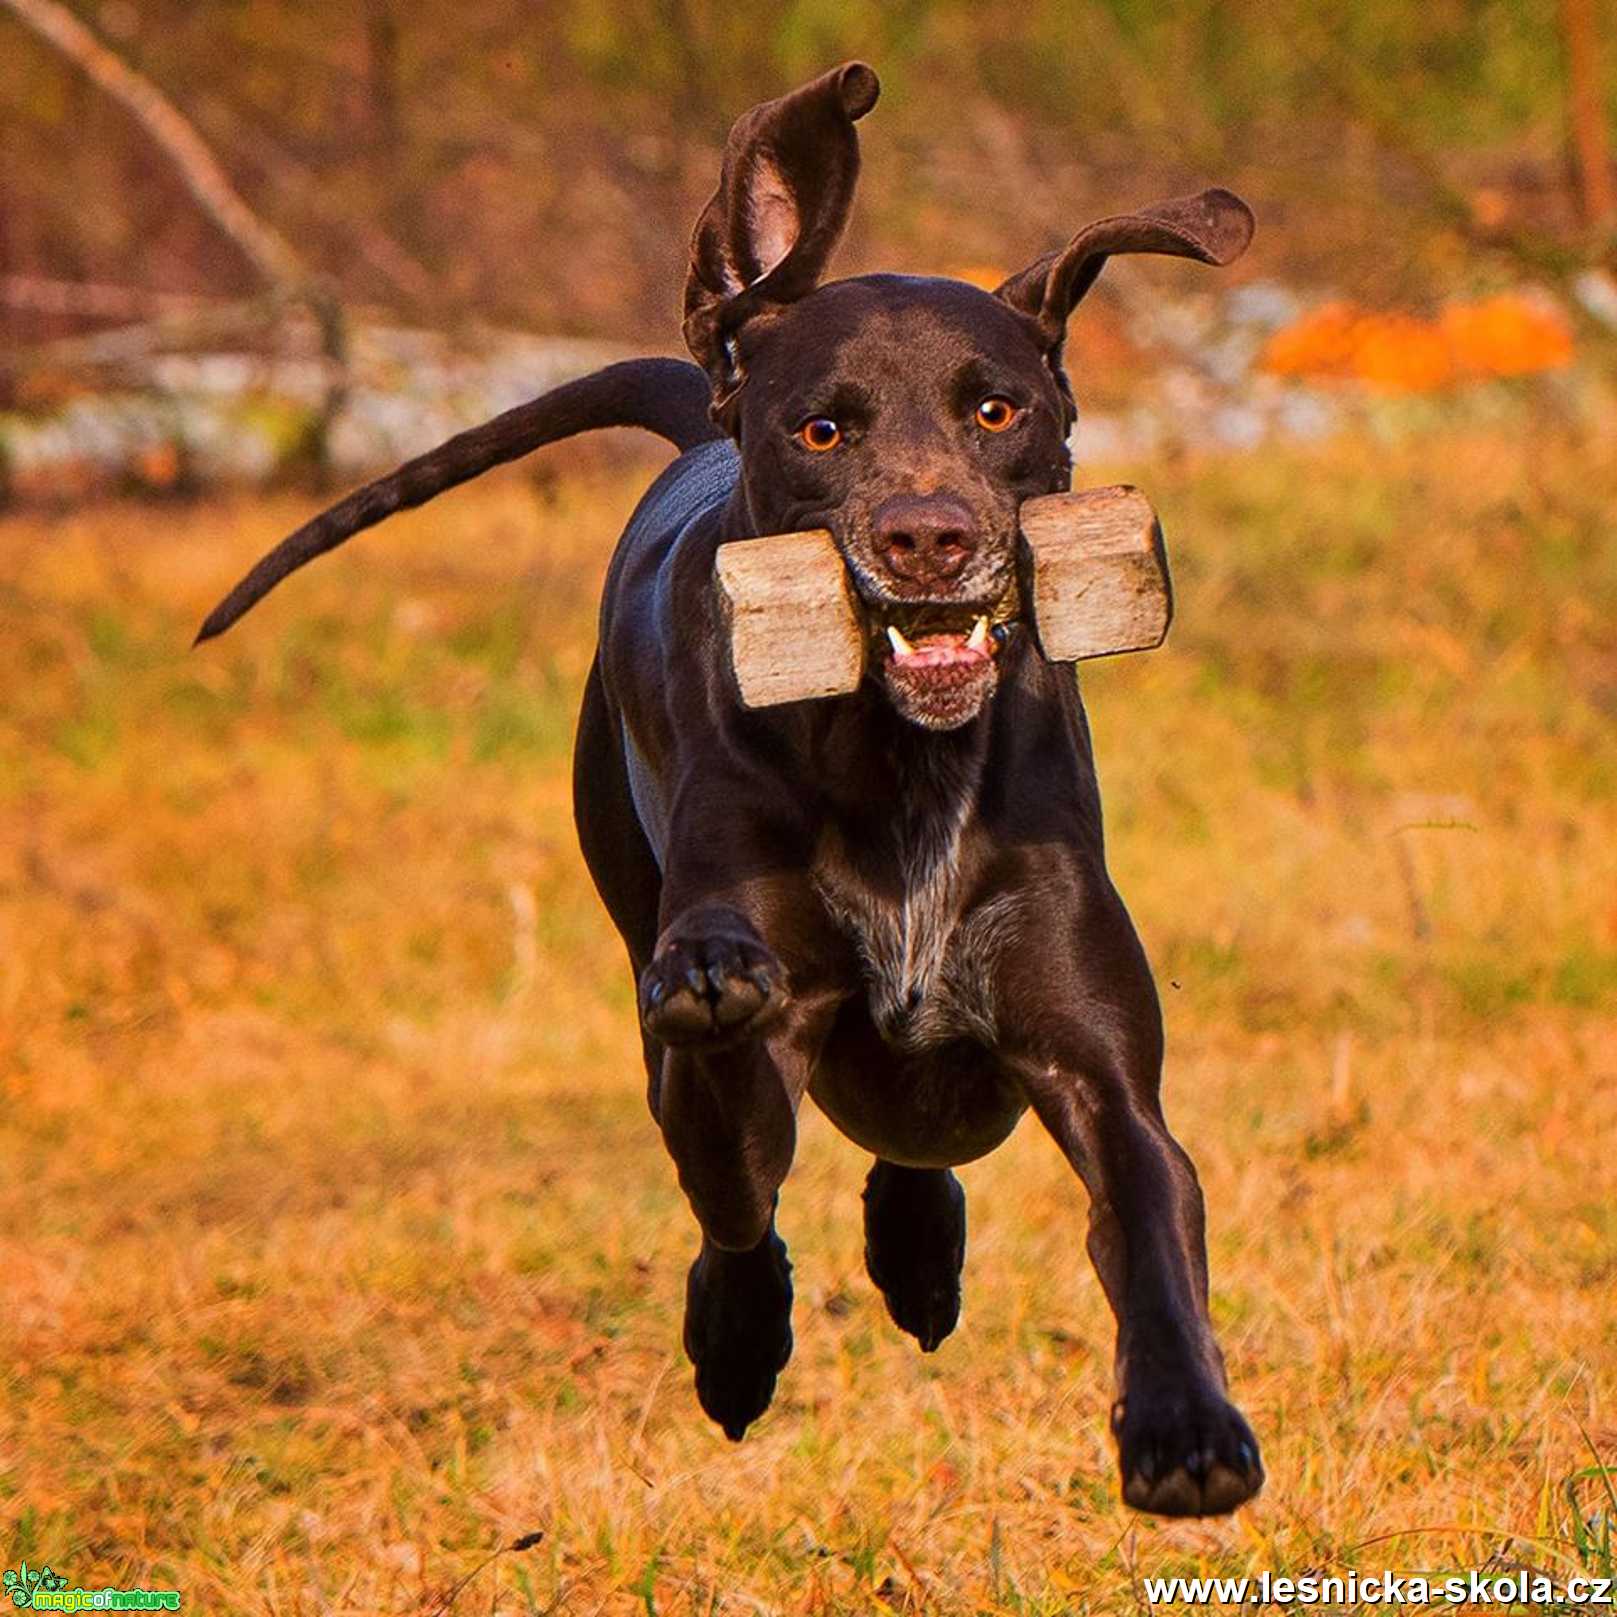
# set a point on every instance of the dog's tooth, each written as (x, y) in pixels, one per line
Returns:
(901, 646)
(979, 636)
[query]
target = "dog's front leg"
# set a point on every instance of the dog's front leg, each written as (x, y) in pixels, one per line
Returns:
(1091, 1066)
(731, 995)
(713, 979)
(717, 997)
(728, 1113)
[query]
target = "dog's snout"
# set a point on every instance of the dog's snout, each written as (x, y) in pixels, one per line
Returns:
(925, 538)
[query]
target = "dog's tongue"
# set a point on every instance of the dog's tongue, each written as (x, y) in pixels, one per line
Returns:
(940, 651)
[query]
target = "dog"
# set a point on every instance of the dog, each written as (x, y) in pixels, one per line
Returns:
(894, 901)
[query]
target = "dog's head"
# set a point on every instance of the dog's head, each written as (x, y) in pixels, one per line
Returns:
(910, 416)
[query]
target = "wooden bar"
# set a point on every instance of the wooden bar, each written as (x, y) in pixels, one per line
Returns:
(1099, 586)
(789, 608)
(1100, 573)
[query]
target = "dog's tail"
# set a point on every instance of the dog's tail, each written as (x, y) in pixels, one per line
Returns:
(667, 396)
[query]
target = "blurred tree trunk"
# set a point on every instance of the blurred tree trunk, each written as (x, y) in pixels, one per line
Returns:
(175, 135)
(382, 64)
(391, 176)
(162, 120)
(1586, 115)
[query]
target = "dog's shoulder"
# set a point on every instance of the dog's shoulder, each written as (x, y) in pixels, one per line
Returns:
(688, 488)
(682, 504)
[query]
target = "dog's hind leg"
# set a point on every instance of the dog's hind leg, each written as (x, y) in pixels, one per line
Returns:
(619, 856)
(915, 1247)
(729, 1118)
(738, 1329)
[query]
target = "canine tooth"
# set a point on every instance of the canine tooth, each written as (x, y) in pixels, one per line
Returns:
(901, 646)
(979, 636)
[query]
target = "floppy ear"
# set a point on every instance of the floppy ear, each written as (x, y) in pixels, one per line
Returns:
(789, 172)
(1213, 227)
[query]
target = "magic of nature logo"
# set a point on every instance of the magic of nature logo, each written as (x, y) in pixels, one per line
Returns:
(41, 1589)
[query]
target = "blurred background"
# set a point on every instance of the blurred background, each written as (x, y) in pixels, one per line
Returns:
(274, 235)
(337, 1251)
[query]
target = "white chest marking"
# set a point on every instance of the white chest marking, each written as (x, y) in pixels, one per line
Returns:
(928, 966)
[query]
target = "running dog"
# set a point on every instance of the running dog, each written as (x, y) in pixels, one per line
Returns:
(894, 901)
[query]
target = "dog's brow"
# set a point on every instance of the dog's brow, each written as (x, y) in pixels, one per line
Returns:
(839, 397)
(979, 377)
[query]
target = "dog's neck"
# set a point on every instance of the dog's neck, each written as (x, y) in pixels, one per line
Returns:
(899, 793)
(893, 864)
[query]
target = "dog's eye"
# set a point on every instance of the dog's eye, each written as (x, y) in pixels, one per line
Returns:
(820, 433)
(995, 414)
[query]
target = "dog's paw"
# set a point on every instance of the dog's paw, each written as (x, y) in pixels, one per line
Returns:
(915, 1247)
(1185, 1452)
(738, 1330)
(710, 989)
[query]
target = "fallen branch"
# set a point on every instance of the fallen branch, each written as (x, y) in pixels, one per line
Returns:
(97, 300)
(130, 344)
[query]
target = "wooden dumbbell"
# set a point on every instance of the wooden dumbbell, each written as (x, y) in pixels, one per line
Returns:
(1099, 585)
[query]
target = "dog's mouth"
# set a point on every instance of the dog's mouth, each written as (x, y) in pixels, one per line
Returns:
(933, 634)
(942, 650)
(938, 660)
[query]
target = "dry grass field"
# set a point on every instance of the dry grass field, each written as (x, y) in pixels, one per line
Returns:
(337, 1249)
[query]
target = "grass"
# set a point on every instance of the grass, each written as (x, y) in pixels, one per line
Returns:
(338, 1250)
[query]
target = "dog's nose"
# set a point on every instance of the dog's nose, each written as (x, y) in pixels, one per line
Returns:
(925, 538)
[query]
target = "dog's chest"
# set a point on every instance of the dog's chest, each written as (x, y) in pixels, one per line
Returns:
(927, 960)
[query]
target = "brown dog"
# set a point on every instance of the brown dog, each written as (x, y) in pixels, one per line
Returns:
(895, 901)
